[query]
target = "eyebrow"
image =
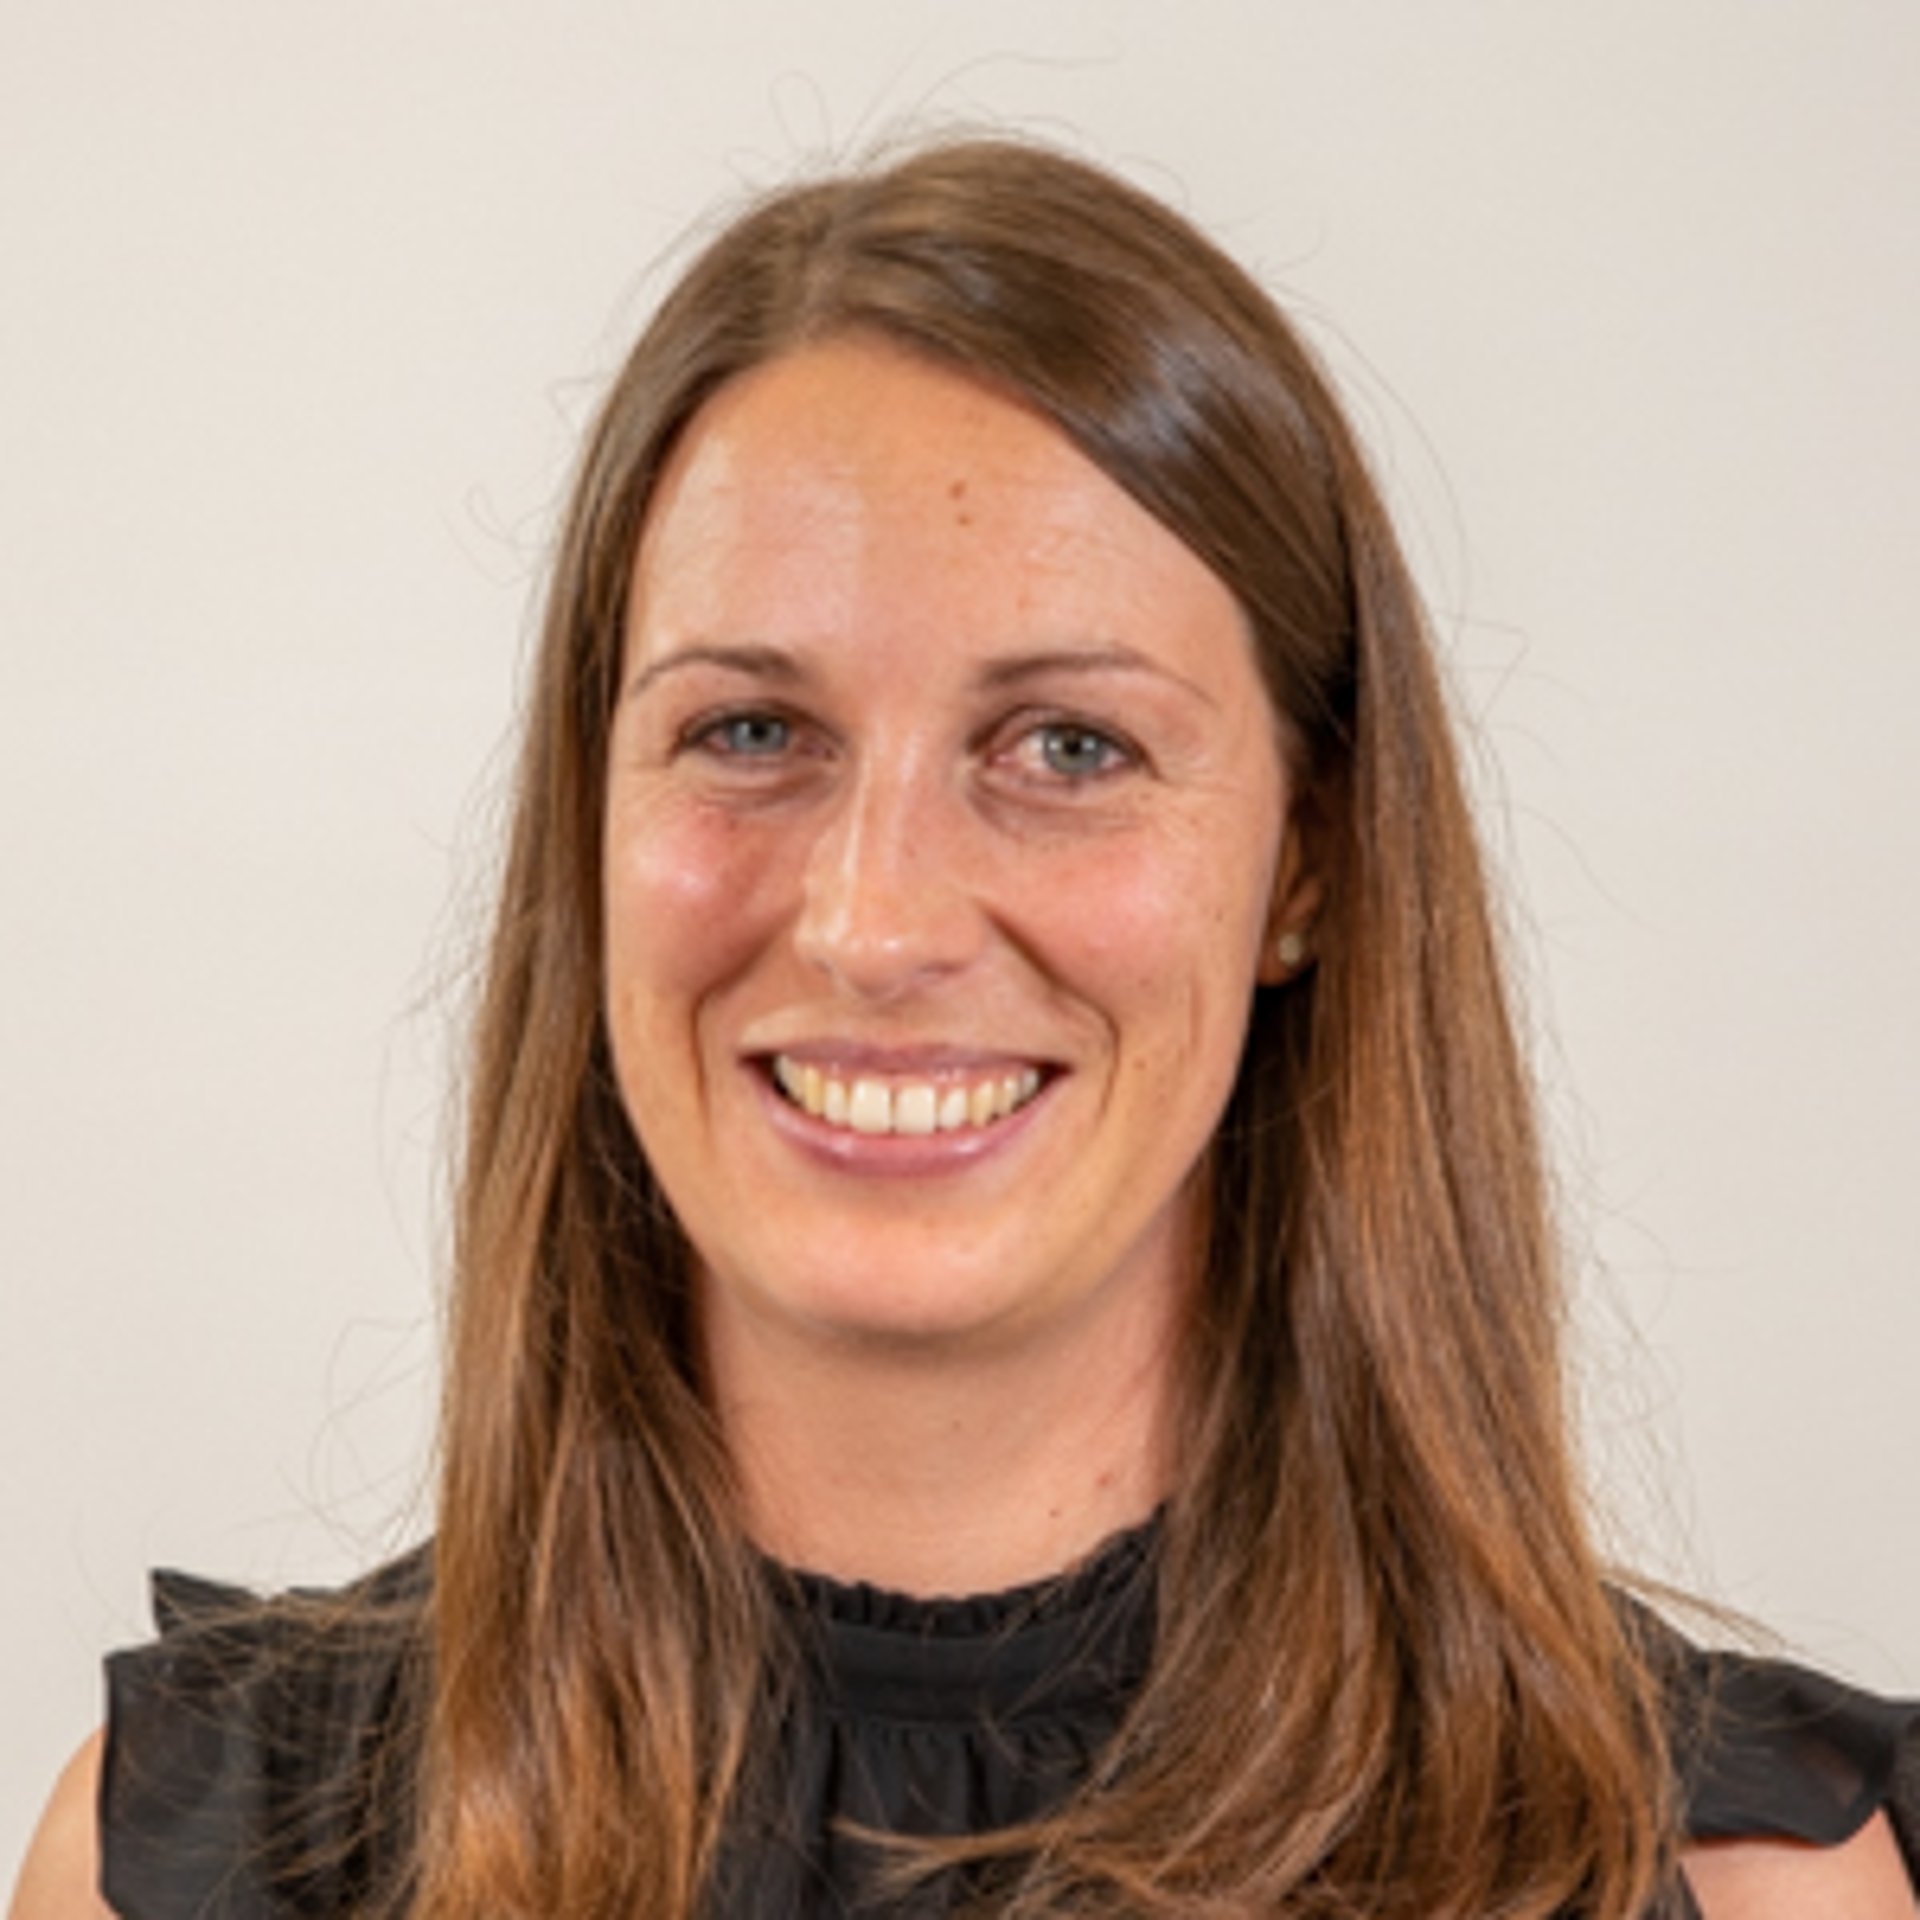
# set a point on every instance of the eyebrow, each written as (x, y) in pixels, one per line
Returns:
(765, 663)
(775, 663)
(1110, 658)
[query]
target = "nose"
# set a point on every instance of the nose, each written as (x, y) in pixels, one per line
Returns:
(887, 904)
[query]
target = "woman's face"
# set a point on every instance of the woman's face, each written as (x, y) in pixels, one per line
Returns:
(944, 821)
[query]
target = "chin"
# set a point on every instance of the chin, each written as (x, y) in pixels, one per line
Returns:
(937, 1314)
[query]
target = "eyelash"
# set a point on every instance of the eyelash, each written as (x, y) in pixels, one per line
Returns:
(1116, 753)
(708, 733)
(1026, 743)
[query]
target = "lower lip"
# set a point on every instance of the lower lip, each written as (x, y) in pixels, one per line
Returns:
(905, 1156)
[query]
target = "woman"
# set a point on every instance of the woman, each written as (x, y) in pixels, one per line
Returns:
(993, 1081)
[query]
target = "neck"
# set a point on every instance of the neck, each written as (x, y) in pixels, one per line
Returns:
(938, 1472)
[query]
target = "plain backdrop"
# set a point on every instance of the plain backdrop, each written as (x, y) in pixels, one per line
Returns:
(304, 306)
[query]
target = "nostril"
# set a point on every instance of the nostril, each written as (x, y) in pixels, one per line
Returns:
(879, 914)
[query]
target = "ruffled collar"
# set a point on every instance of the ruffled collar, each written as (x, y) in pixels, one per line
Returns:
(1079, 1641)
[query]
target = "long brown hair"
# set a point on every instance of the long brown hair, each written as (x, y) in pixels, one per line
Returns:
(1388, 1677)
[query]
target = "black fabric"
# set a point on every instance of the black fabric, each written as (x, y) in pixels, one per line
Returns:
(256, 1763)
(934, 1717)
(256, 1756)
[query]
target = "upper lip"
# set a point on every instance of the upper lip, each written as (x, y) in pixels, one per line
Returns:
(897, 1061)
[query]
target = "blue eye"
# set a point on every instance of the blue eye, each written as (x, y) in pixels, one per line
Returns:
(747, 736)
(1075, 752)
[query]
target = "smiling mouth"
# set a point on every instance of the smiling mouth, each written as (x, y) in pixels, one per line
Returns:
(863, 1104)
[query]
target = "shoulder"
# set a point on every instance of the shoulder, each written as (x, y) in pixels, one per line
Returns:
(1863, 1878)
(258, 1753)
(60, 1877)
(1799, 1794)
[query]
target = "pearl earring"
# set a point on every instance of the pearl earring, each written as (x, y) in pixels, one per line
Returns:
(1290, 949)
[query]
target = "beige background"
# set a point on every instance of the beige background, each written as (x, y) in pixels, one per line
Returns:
(304, 303)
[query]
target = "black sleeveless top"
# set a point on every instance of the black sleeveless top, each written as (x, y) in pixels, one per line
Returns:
(250, 1772)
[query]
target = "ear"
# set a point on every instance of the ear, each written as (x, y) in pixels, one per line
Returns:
(1287, 945)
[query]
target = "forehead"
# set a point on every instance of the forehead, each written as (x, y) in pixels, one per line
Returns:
(854, 469)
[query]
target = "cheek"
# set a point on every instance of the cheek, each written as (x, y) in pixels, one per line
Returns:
(1169, 938)
(685, 899)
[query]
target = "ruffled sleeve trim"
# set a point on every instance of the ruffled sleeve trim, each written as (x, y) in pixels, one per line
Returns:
(249, 1771)
(1767, 1749)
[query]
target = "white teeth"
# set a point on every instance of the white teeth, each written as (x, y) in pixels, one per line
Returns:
(870, 1110)
(916, 1107)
